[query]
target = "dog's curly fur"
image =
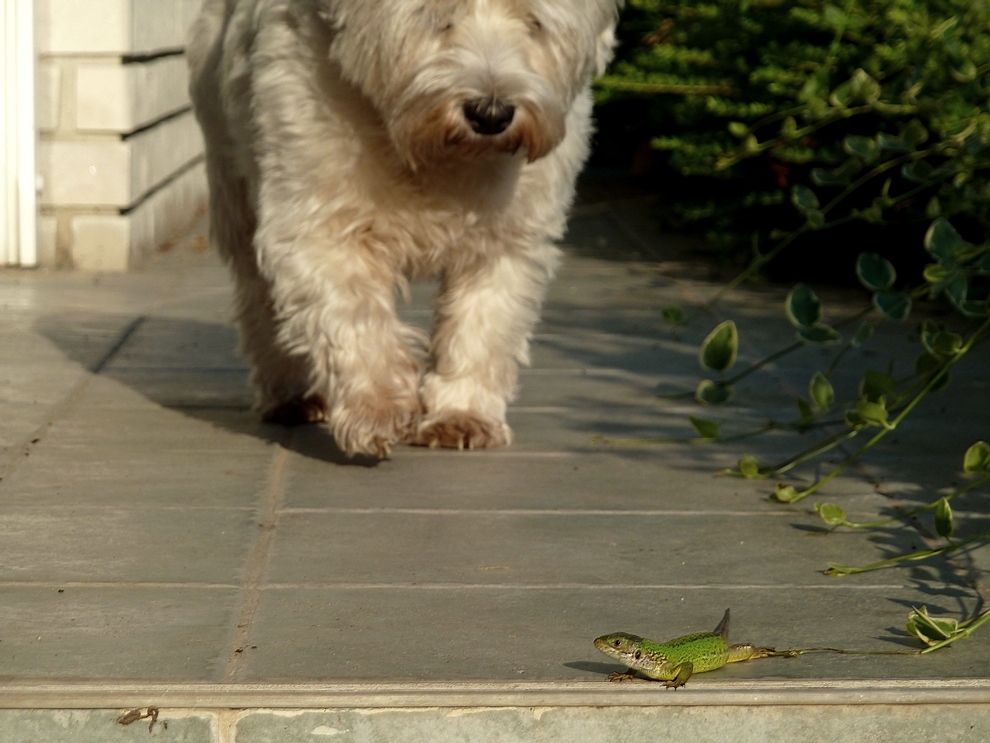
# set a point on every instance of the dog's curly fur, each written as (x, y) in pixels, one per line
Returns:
(353, 145)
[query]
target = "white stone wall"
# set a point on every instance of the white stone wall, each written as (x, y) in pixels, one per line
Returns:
(120, 154)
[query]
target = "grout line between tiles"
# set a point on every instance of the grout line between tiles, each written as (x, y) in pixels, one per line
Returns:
(415, 511)
(590, 587)
(257, 561)
(455, 586)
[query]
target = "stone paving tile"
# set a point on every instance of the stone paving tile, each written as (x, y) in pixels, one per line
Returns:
(546, 547)
(64, 630)
(60, 542)
(92, 476)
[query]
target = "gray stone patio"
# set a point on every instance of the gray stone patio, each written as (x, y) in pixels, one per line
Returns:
(159, 546)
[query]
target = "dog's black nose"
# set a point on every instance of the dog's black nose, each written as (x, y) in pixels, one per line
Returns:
(488, 116)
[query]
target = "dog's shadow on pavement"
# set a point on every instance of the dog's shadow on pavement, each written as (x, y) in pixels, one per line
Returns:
(192, 366)
(184, 365)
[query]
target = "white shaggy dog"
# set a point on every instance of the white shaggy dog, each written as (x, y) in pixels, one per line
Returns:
(355, 144)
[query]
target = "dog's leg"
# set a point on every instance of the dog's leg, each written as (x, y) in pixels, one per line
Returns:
(334, 294)
(281, 380)
(485, 315)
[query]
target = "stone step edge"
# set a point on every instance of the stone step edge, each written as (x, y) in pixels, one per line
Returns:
(113, 695)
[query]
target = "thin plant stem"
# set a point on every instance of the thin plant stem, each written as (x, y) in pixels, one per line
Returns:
(915, 511)
(837, 570)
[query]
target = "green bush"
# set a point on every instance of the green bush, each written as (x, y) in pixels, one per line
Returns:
(877, 109)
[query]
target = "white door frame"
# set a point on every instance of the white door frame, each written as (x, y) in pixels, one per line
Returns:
(18, 138)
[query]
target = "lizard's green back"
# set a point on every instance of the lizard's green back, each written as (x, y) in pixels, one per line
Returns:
(705, 650)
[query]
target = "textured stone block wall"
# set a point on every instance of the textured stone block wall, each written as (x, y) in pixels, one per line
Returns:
(120, 155)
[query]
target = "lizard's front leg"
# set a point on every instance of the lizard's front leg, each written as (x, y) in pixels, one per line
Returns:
(681, 674)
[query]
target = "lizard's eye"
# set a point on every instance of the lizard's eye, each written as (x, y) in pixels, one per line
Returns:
(617, 643)
(637, 655)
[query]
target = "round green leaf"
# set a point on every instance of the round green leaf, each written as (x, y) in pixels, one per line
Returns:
(738, 129)
(941, 382)
(785, 493)
(863, 333)
(831, 514)
(943, 241)
(820, 334)
(875, 272)
(943, 518)
(674, 316)
(919, 171)
(749, 467)
(865, 87)
(816, 218)
(973, 308)
(929, 331)
(842, 96)
(891, 143)
(977, 458)
(872, 413)
(862, 147)
(805, 410)
(706, 429)
(946, 343)
(841, 176)
(804, 198)
(895, 305)
(826, 177)
(935, 273)
(927, 364)
(929, 629)
(875, 385)
(821, 392)
(720, 347)
(710, 393)
(915, 133)
(957, 288)
(803, 307)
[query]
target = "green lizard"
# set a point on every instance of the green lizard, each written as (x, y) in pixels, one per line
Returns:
(674, 661)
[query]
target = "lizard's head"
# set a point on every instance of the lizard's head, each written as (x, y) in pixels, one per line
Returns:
(619, 645)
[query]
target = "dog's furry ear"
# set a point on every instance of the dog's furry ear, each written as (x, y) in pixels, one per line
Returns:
(604, 50)
(605, 45)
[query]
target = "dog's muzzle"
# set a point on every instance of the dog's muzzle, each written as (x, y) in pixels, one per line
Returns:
(488, 116)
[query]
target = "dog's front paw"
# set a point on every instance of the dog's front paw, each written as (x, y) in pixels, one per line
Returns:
(460, 429)
(373, 425)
